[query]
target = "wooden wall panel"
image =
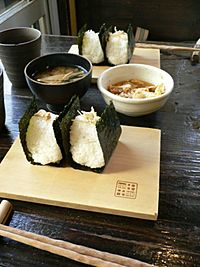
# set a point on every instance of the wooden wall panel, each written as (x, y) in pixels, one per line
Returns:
(167, 20)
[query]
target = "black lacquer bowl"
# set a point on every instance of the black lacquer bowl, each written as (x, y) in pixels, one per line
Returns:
(2, 106)
(56, 96)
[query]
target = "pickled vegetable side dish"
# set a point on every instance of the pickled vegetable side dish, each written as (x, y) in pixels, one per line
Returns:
(136, 89)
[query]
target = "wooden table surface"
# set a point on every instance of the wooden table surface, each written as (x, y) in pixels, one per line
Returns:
(172, 240)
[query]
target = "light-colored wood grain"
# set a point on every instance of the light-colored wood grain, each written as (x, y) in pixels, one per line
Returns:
(140, 55)
(135, 162)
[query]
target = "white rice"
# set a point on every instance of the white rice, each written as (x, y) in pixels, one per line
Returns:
(91, 47)
(85, 146)
(117, 48)
(40, 138)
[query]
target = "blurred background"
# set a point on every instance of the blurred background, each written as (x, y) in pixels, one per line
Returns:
(166, 20)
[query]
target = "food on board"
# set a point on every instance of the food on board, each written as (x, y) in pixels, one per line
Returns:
(81, 139)
(109, 46)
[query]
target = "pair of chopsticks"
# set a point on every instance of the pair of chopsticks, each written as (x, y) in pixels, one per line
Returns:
(66, 249)
(167, 47)
(196, 54)
(141, 36)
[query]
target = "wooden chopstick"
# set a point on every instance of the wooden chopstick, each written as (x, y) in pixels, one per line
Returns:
(196, 54)
(5, 211)
(167, 47)
(72, 251)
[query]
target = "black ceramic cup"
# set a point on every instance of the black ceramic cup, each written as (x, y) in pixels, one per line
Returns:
(2, 107)
(18, 46)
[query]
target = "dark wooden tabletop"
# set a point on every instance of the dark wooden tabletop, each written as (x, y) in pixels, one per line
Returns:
(172, 240)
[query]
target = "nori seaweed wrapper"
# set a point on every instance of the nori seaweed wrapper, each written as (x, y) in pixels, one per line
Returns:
(80, 38)
(108, 130)
(104, 39)
(23, 126)
(62, 125)
(131, 41)
(102, 35)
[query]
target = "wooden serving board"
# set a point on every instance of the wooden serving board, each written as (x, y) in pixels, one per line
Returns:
(129, 185)
(140, 55)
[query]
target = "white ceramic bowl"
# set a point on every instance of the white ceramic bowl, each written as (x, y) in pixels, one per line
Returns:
(129, 106)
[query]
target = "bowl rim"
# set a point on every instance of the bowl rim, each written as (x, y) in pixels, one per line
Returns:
(17, 29)
(54, 54)
(134, 100)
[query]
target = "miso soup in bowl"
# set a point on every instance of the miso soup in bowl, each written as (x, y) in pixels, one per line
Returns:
(55, 78)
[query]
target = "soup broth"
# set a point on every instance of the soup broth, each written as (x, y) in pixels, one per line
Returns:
(60, 74)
